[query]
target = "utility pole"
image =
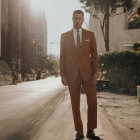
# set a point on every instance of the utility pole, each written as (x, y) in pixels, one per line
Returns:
(51, 44)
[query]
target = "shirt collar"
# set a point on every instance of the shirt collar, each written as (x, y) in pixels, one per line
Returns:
(75, 30)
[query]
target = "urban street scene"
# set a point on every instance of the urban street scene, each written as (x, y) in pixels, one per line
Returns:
(70, 70)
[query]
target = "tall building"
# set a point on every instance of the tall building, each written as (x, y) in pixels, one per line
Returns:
(38, 34)
(4, 29)
(23, 33)
(0, 28)
(120, 37)
(38, 30)
(45, 51)
(10, 31)
(25, 50)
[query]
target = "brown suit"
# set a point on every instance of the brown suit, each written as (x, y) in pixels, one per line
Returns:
(78, 67)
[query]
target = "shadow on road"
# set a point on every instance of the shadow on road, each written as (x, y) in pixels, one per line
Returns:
(96, 138)
(17, 136)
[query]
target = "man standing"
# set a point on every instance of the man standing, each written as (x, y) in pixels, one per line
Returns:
(78, 66)
(38, 74)
(14, 76)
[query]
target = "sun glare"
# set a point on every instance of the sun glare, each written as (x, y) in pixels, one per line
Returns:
(37, 4)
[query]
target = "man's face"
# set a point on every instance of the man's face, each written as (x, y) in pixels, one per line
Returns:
(78, 20)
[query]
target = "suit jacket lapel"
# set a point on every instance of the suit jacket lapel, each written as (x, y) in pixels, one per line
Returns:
(83, 35)
(73, 41)
(83, 38)
(72, 38)
(74, 47)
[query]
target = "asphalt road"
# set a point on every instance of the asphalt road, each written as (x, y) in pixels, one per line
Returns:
(41, 110)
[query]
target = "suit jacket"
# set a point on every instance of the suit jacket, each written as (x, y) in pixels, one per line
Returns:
(72, 61)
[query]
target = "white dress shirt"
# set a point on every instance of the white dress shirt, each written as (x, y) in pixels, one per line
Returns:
(75, 35)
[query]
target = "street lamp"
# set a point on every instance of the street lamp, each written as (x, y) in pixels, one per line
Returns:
(33, 41)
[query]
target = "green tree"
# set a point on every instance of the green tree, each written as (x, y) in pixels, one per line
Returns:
(43, 61)
(107, 8)
(40, 61)
(53, 65)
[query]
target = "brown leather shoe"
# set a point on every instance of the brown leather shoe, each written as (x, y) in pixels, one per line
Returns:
(91, 135)
(78, 136)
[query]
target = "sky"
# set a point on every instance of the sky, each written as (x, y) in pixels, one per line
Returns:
(59, 19)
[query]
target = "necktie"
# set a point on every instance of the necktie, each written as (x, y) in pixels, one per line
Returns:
(78, 40)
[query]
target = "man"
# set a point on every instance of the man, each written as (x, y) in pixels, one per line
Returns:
(14, 76)
(78, 66)
(38, 74)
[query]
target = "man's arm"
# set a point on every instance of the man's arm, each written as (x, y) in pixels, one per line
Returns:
(94, 58)
(62, 62)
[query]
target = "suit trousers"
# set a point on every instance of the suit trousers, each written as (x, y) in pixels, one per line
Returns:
(90, 90)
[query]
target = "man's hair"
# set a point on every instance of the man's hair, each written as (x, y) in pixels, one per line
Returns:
(78, 12)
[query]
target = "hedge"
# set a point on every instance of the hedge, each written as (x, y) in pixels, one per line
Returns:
(136, 46)
(121, 69)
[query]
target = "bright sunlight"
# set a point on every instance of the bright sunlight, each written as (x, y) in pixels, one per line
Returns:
(37, 5)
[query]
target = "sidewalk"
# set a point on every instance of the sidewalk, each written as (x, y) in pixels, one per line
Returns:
(5, 82)
(5, 74)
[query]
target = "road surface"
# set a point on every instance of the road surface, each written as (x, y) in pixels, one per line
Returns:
(41, 110)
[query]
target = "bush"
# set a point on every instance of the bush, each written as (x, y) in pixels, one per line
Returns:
(122, 69)
(134, 24)
(137, 47)
(53, 66)
(50, 63)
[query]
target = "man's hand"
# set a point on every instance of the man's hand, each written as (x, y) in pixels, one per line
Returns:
(94, 79)
(64, 81)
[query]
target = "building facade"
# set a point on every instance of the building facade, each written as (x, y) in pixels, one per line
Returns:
(38, 30)
(38, 35)
(25, 48)
(18, 36)
(0, 28)
(121, 38)
(14, 31)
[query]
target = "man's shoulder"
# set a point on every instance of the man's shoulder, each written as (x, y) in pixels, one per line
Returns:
(66, 33)
(87, 31)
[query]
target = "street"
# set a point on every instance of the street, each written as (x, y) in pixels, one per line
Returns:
(41, 110)
(24, 107)
(42, 41)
